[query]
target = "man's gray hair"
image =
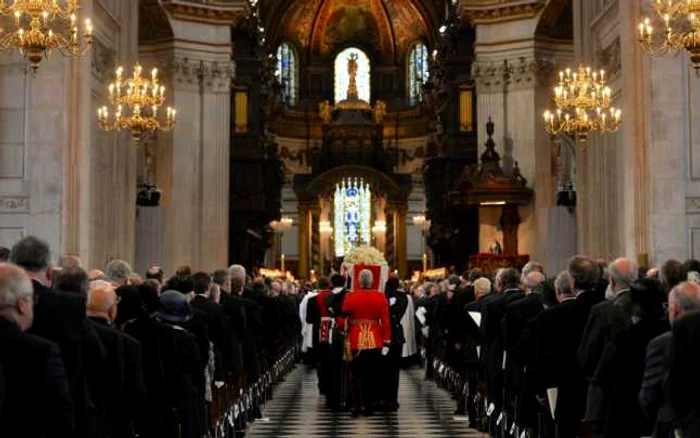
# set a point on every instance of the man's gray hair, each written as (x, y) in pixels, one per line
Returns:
(534, 281)
(562, 284)
(14, 285)
(482, 286)
(237, 271)
(366, 279)
(624, 279)
(688, 302)
(117, 271)
(532, 267)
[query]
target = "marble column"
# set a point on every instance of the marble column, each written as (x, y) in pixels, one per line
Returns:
(304, 211)
(400, 227)
(192, 166)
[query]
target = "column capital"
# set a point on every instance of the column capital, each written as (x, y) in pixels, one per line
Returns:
(517, 72)
(216, 75)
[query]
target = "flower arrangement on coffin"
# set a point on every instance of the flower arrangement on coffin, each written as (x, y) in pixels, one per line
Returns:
(364, 257)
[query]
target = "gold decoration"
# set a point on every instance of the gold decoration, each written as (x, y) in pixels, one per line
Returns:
(681, 23)
(583, 103)
(133, 98)
(41, 26)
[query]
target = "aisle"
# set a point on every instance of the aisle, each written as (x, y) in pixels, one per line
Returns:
(297, 411)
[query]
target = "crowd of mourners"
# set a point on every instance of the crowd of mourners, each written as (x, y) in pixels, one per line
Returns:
(599, 350)
(110, 354)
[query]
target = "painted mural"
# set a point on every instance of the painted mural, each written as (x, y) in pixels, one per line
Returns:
(327, 25)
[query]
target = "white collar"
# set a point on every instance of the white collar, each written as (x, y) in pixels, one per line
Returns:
(337, 290)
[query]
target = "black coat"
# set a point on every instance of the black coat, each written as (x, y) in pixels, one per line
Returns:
(653, 397)
(683, 376)
(515, 321)
(492, 312)
(160, 375)
(124, 374)
(217, 330)
(237, 326)
(60, 317)
(556, 363)
(624, 416)
(37, 401)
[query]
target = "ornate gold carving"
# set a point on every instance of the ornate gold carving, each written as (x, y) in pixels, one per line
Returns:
(502, 12)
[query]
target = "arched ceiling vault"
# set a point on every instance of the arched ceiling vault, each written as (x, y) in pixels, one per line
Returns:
(320, 27)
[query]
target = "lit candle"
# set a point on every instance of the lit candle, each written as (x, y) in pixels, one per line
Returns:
(154, 74)
(111, 89)
(88, 27)
(282, 262)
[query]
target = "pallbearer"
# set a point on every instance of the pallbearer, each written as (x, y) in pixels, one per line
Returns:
(370, 338)
(319, 316)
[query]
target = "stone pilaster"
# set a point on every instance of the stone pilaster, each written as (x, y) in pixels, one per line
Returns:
(304, 212)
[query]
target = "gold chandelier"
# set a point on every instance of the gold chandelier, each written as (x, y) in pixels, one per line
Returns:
(681, 22)
(136, 101)
(41, 26)
(583, 103)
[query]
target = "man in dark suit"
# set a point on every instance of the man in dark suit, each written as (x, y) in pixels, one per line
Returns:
(559, 331)
(338, 395)
(36, 400)
(518, 350)
(61, 318)
(492, 312)
(213, 315)
(607, 321)
(654, 398)
(398, 303)
(124, 371)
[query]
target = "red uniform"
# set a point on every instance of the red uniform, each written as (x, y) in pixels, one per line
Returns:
(368, 318)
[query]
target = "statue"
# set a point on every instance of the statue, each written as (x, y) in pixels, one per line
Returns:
(324, 111)
(379, 112)
(496, 248)
(352, 73)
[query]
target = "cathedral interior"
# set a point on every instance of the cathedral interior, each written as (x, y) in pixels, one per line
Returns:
(307, 126)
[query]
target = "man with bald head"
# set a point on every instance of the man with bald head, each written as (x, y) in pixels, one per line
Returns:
(37, 401)
(123, 374)
(654, 400)
(607, 321)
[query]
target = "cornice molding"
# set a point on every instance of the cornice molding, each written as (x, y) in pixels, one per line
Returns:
(501, 12)
(209, 13)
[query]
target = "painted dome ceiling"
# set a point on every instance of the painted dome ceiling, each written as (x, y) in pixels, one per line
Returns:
(322, 26)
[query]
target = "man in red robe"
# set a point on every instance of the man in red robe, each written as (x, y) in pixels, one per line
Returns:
(370, 338)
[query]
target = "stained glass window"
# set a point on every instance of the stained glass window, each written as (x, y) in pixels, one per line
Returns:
(352, 206)
(417, 72)
(342, 77)
(287, 72)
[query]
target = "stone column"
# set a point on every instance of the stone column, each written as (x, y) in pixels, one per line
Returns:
(400, 226)
(304, 211)
(193, 160)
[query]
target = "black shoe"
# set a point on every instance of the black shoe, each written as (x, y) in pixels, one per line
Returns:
(355, 413)
(461, 412)
(369, 413)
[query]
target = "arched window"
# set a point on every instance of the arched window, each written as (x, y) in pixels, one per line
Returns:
(418, 72)
(287, 72)
(342, 74)
(352, 205)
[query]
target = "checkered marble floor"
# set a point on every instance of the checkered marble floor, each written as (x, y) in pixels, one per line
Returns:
(297, 410)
